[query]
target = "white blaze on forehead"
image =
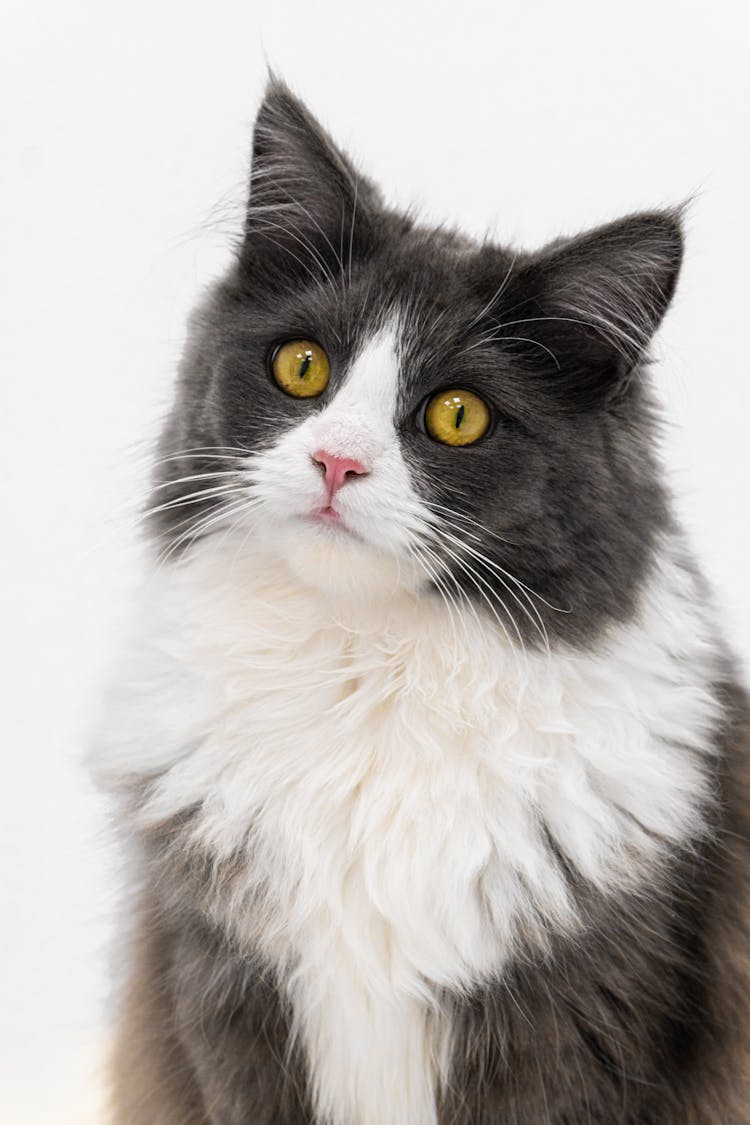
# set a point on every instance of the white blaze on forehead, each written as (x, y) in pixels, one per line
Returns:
(359, 422)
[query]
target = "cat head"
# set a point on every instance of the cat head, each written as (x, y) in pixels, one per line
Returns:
(389, 406)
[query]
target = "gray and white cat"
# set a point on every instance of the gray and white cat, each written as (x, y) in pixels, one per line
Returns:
(430, 749)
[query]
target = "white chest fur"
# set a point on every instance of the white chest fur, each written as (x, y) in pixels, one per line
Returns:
(392, 777)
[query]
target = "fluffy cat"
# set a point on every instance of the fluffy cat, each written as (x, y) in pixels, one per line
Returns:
(427, 745)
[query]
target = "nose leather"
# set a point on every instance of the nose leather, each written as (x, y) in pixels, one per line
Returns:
(338, 470)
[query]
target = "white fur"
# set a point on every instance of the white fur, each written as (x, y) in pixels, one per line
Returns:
(385, 776)
(384, 771)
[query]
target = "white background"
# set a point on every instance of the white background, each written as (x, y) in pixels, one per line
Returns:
(125, 133)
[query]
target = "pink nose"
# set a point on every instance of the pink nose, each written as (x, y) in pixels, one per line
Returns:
(338, 470)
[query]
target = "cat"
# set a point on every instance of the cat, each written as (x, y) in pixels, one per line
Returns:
(426, 743)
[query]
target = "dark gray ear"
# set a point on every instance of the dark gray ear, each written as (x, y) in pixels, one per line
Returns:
(309, 212)
(593, 302)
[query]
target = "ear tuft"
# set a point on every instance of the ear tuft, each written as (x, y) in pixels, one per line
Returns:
(595, 301)
(308, 208)
(620, 278)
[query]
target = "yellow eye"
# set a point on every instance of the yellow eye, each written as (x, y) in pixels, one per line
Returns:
(301, 368)
(457, 417)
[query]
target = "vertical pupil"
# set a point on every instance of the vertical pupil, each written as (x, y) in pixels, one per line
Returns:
(460, 416)
(305, 366)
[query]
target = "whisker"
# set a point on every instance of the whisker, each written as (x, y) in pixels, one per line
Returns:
(237, 451)
(465, 601)
(187, 525)
(193, 477)
(200, 527)
(462, 516)
(482, 585)
(487, 531)
(495, 339)
(351, 229)
(534, 616)
(192, 498)
(496, 295)
(418, 554)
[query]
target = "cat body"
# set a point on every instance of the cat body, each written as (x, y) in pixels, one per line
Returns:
(432, 756)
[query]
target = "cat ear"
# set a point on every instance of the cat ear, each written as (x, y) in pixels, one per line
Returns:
(593, 303)
(309, 212)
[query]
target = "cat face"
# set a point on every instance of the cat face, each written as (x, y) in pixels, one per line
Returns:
(388, 406)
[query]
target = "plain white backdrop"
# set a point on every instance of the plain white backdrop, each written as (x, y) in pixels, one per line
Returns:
(125, 136)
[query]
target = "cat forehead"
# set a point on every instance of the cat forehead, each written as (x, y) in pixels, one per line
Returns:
(398, 360)
(369, 391)
(386, 370)
(426, 301)
(373, 372)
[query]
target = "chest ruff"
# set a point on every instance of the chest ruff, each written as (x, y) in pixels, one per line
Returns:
(401, 795)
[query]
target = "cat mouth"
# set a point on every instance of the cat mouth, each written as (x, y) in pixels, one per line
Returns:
(329, 517)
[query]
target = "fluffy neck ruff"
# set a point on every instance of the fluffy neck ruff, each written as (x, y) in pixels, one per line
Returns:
(402, 795)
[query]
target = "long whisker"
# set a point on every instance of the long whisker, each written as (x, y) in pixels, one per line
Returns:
(193, 498)
(469, 519)
(235, 451)
(533, 616)
(351, 229)
(136, 516)
(609, 329)
(482, 586)
(496, 295)
(511, 577)
(448, 579)
(252, 525)
(192, 524)
(495, 339)
(229, 473)
(419, 554)
(199, 528)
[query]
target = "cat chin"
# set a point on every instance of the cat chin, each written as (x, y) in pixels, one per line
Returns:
(343, 566)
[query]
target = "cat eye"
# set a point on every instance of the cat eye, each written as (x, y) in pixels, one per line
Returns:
(301, 368)
(457, 417)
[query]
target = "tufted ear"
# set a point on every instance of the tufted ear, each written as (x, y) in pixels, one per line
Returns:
(593, 304)
(309, 213)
